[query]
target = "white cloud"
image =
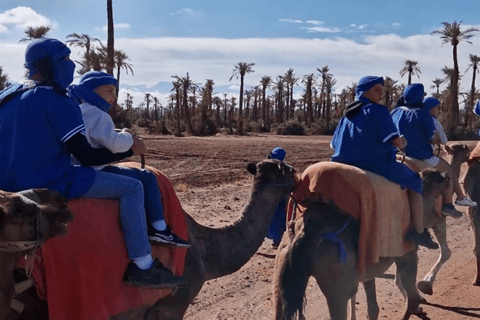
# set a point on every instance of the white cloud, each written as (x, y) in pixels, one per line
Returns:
(119, 26)
(362, 26)
(22, 17)
(353, 25)
(290, 20)
(323, 29)
(188, 12)
(396, 24)
(156, 59)
(315, 22)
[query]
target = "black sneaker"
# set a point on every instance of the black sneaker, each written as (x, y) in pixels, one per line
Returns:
(422, 239)
(157, 277)
(449, 210)
(166, 237)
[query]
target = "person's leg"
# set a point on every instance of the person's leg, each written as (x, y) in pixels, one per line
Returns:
(153, 199)
(157, 229)
(129, 192)
(416, 209)
(444, 166)
(144, 271)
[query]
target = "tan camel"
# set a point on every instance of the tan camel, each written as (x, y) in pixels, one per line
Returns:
(24, 226)
(472, 188)
(303, 253)
(217, 252)
(459, 154)
(437, 222)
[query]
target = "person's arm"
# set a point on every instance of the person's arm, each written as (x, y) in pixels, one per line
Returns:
(88, 156)
(399, 142)
(102, 133)
(436, 139)
(441, 133)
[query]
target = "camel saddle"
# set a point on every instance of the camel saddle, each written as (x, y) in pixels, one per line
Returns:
(80, 274)
(380, 206)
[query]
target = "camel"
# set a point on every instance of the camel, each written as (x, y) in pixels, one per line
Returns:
(303, 253)
(24, 226)
(472, 188)
(216, 252)
(459, 153)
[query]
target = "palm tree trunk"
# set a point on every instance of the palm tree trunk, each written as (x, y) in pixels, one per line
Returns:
(240, 109)
(469, 109)
(187, 112)
(110, 38)
(455, 108)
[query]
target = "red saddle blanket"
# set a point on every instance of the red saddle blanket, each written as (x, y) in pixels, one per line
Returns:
(380, 206)
(80, 274)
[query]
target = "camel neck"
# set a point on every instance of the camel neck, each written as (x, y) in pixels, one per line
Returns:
(227, 249)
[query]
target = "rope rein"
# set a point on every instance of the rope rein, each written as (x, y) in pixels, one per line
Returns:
(333, 237)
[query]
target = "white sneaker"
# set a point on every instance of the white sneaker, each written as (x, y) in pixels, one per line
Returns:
(466, 202)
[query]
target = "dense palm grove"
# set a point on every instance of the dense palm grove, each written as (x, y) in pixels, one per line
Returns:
(271, 105)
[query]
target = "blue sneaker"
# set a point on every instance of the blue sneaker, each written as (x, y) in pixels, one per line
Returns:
(157, 277)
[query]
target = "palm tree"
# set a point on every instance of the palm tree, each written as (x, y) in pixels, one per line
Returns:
(389, 90)
(265, 82)
(290, 80)
(329, 84)
(278, 85)
(309, 80)
(324, 72)
(147, 103)
(36, 33)
(110, 38)
(83, 41)
(410, 67)
(176, 87)
(3, 80)
(452, 33)
(186, 84)
(474, 60)
(436, 84)
(240, 70)
(120, 59)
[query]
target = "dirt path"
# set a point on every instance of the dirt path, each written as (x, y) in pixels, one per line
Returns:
(212, 184)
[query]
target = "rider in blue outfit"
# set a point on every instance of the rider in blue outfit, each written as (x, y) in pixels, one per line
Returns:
(366, 137)
(414, 121)
(41, 128)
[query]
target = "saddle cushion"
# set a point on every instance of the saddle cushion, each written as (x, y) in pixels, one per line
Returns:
(80, 275)
(380, 206)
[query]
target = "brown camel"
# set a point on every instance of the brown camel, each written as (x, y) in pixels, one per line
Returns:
(24, 226)
(217, 252)
(303, 253)
(472, 188)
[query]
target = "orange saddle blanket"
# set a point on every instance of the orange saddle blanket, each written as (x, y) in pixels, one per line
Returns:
(80, 274)
(380, 206)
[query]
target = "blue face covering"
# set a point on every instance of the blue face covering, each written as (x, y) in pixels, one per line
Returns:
(84, 91)
(63, 71)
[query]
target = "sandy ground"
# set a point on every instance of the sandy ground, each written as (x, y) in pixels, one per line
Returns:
(212, 184)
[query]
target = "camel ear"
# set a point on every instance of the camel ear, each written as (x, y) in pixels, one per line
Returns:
(252, 168)
(448, 149)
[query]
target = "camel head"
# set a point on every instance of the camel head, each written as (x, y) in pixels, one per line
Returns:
(458, 151)
(37, 214)
(273, 173)
(434, 182)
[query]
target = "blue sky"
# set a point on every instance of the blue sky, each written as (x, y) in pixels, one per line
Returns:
(207, 38)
